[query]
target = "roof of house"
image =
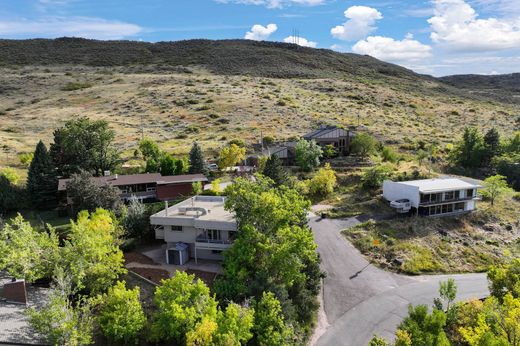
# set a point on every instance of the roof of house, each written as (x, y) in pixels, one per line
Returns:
(324, 131)
(433, 185)
(132, 179)
(212, 205)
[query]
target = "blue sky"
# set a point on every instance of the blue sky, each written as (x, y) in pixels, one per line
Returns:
(436, 37)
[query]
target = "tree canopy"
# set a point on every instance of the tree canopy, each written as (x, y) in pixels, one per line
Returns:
(42, 184)
(87, 195)
(84, 144)
(308, 154)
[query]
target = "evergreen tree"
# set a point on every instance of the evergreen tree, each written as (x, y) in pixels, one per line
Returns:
(42, 184)
(492, 145)
(274, 170)
(197, 164)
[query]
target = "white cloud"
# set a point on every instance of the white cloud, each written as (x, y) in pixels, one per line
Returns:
(260, 33)
(301, 41)
(456, 26)
(275, 3)
(361, 22)
(51, 27)
(389, 49)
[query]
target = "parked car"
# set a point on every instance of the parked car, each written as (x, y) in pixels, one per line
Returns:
(213, 167)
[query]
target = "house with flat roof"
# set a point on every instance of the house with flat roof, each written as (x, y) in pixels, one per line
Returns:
(147, 186)
(200, 222)
(432, 197)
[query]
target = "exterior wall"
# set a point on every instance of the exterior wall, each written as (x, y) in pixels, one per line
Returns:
(187, 235)
(393, 191)
(171, 191)
(470, 205)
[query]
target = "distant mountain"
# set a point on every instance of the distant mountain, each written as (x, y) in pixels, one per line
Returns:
(244, 57)
(505, 87)
(237, 57)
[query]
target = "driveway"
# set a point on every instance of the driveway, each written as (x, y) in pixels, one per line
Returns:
(360, 300)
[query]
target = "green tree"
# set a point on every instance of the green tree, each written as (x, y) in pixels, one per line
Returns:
(12, 197)
(235, 325)
(136, 221)
(505, 279)
(389, 155)
(26, 252)
(63, 322)
(377, 341)
(42, 184)
(330, 151)
(84, 144)
(10, 174)
(215, 187)
(494, 187)
(25, 159)
(323, 182)
(364, 144)
(87, 195)
(231, 155)
(182, 302)
(270, 327)
(468, 152)
(374, 177)
(421, 156)
(196, 187)
(507, 165)
(492, 145)
(149, 149)
(197, 163)
(167, 164)
(425, 328)
(91, 255)
(448, 291)
(121, 316)
(308, 154)
(274, 169)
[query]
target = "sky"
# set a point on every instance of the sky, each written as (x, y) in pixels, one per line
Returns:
(437, 37)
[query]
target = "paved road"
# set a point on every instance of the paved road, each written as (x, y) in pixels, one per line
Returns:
(361, 300)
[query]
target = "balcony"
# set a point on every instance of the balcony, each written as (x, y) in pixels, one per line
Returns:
(444, 201)
(203, 242)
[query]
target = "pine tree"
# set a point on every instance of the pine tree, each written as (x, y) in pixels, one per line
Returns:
(274, 170)
(197, 164)
(42, 184)
(492, 145)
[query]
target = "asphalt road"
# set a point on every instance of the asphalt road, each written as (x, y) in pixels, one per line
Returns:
(360, 300)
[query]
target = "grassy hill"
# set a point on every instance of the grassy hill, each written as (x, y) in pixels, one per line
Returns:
(235, 57)
(502, 87)
(214, 91)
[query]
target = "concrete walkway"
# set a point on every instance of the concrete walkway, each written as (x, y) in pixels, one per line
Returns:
(360, 300)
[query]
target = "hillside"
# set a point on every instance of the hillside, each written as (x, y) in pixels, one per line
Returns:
(214, 91)
(503, 87)
(235, 57)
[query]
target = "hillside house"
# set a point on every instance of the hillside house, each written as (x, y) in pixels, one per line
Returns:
(148, 186)
(432, 197)
(200, 222)
(332, 135)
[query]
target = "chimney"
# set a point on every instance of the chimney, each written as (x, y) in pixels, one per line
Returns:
(116, 176)
(166, 207)
(106, 173)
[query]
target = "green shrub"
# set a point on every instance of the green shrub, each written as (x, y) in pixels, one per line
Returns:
(76, 86)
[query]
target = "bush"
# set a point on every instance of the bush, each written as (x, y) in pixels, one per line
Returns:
(76, 86)
(323, 183)
(121, 316)
(374, 177)
(364, 144)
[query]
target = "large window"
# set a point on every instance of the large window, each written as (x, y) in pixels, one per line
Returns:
(470, 193)
(213, 234)
(176, 228)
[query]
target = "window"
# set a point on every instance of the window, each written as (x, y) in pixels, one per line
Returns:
(459, 206)
(469, 193)
(232, 235)
(176, 228)
(216, 252)
(448, 196)
(425, 198)
(213, 234)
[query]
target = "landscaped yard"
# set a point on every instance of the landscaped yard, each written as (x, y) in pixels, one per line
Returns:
(467, 243)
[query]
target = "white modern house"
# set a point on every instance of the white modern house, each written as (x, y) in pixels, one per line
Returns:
(198, 227)
(432, 197)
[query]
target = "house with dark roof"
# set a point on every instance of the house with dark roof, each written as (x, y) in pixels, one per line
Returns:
(332, 135)
(147, 186)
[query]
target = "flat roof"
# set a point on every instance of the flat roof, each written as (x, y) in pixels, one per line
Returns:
(438, 184)
(214, 205)
(145, 178)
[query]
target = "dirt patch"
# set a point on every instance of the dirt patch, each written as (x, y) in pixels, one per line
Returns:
(136, 257)
(207, 277)
(152, 274)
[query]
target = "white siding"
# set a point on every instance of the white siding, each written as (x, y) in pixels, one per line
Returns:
(393, 191)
